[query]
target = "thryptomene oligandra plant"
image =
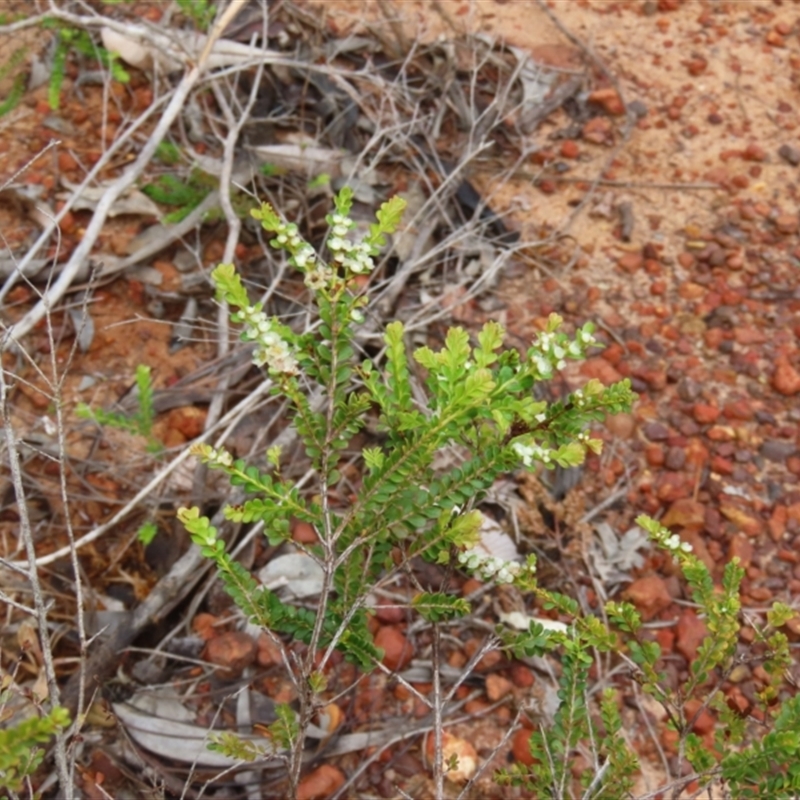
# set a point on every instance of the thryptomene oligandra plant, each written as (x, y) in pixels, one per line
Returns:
(479, 402)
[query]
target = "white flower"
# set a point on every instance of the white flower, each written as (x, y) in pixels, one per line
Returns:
(542, 365)
(304, 257)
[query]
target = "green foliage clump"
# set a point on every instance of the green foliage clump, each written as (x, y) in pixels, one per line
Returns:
(20, 754)
(18, 87)
(184, 195)
(74, 40)
(765, 768)
(140, 423)
(201, 12)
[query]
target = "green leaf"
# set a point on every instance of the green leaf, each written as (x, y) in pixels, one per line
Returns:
(147, 533)
(439, 607)
(344, 201)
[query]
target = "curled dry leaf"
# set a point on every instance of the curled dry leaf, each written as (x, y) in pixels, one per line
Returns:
(296, 573)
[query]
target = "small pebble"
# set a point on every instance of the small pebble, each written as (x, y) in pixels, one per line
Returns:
(656, 431)
(790, 154)
(777, 451)
(676, 458)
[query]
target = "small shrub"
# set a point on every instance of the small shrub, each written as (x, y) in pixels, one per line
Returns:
(478, 399)
(20, 753)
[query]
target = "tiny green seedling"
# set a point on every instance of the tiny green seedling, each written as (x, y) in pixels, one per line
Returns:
(140, 423)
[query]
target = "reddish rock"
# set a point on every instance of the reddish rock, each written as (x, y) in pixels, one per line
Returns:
(569, 149)
(754, 152)
(722, 466)
(720, 175)
(721, 433)
(188, 420)
(390, 614)
(760, 594)
(705, 414)
(738, 410)
(774, 39)
(666, 640)
(521, 676)
(691, 291)
(324, 781)
(269, 654)
(497, 687)
(748, 336)
(397, 650)
(621, 426)
(205, 626)
(649, 595)
(689, 633)
(684, 513)
(546, 186)
(304, 533)
(696, 539)
(696, 65)
(785, 379)
(743, 520)
(597, 367)
(471, 585)
(737, 702)
(231, 652)
(630, 262)
(701, 719)
(598, 130)
(66, 161)
(654, 455)
(741, 548)
(654, 376)
(520, 747)
(672, 486)
(696, 453)
(776, 525)
(787, 223)
(489, 661)
(609, 100)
